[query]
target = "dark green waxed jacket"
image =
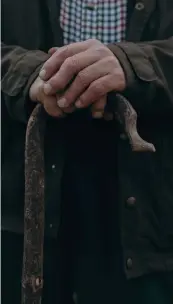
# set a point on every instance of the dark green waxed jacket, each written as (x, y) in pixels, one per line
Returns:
(145, 180)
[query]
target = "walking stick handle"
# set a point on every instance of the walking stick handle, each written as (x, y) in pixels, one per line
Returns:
(127, 117)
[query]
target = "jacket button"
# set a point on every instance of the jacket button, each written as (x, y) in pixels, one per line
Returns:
(129, 263)
(131, 201)
(139, 6)
(54, 168)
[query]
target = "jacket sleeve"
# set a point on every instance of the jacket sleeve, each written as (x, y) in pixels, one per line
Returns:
(19, 68)
(148, 68)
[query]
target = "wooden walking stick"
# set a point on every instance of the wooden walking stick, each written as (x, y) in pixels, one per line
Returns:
(32, 276)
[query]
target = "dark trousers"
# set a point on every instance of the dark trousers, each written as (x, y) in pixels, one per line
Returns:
(97, 286)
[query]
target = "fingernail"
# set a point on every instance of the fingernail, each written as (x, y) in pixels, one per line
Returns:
(47, 88)
(62, 102)
(78, 104)
(97, 114)
(42, 74)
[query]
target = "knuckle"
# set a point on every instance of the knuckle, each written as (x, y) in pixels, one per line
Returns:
(99, 47)
(111, 60)
(60, 55)
(119, 78)
(63, 52)
(74, 62)
(83, 99)
(52, 50)
(97, 88)
(67, 62)
(71, 63)
(94, 41)
(58, 84)
(102, 51)
(82, 79)
(48, 65)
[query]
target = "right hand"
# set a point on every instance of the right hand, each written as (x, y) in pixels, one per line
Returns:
(97, 108)
(49, 103)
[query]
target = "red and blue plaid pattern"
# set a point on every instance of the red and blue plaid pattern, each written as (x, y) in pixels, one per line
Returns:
(104, 20)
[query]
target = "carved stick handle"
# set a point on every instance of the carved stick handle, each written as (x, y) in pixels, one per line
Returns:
(127, 117)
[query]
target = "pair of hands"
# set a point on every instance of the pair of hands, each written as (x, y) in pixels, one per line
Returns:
(78, 76)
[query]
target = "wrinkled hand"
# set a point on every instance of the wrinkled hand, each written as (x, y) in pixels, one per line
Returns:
(50, 105)
(96, 108)
(95, 72)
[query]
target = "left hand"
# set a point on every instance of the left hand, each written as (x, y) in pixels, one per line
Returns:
(95, 70)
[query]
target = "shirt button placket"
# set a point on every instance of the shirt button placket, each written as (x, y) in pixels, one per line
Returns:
(89, 20)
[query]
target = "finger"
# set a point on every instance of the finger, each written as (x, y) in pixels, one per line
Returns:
(96, 90)
(72, 66)
(99, 105)
(52, 50)
(50, 106)
(69, 110)
(97, 109)
(83, 80)
(109, 112)
(53, 64)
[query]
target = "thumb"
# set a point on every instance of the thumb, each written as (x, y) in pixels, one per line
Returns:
(52, 50)
(36, 90)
